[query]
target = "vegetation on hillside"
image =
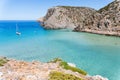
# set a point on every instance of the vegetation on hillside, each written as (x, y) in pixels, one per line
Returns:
(3, 61)
(105, 8)
(62, 76)
(65, 65)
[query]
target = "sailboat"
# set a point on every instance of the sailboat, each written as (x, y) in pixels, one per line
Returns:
(17, 32)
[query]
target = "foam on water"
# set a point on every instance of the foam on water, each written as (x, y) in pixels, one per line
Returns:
(97, 54)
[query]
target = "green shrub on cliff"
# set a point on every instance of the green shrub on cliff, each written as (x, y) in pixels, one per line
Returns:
(3, 61)
(74, 69)
(67, 67)
(62, 76)
(56, 60)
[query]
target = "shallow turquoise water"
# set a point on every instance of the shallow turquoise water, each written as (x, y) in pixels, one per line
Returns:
(97, 54)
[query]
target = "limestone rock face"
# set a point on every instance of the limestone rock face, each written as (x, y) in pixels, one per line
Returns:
(111, 16)
(67, 17)
(57, 18)
(70, 17)
(106, 21)
(103, 21)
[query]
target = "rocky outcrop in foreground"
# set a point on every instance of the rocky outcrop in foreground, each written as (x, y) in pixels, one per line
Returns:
(103, 21)
(53, 70)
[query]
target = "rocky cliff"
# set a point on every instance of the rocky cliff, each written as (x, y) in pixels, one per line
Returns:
(103, 21)
(56, 69)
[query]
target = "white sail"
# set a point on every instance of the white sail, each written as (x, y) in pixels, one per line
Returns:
(17, 30)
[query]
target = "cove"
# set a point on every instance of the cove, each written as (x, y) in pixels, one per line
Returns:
(96, 54)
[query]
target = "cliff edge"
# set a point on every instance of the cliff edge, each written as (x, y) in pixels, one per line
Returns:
(56, 69)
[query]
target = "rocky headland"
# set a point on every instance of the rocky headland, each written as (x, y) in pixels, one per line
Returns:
(56, 69)
(83, 19)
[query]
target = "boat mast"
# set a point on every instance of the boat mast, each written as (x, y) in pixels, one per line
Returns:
(16, 28)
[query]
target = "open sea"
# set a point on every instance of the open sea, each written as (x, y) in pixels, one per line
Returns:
(96, 54)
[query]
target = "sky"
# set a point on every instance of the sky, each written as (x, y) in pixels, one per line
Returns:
(34, 9)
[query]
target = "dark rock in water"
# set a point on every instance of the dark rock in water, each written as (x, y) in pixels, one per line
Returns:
(104, 21)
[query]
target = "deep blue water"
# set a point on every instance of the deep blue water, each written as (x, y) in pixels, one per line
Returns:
(97, 54)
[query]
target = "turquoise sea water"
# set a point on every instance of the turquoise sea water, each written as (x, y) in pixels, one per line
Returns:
(96, 54)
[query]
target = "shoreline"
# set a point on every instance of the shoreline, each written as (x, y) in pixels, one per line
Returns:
(106, 33)
(99, 32)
